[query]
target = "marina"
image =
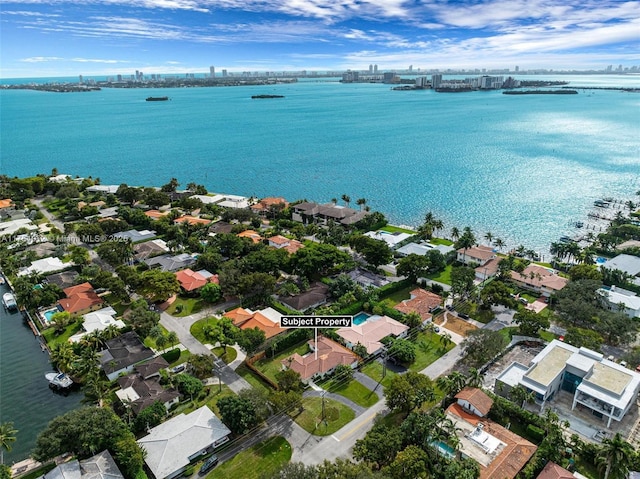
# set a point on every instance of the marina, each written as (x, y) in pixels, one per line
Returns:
(25, 396)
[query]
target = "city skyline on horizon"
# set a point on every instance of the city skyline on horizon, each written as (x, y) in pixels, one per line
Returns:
(45, 38)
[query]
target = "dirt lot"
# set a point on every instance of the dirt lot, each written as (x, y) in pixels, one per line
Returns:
(459, 326)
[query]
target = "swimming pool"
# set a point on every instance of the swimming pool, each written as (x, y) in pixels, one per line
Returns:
(360, 318)
(601, 260)
(444, 449)
(49, 313)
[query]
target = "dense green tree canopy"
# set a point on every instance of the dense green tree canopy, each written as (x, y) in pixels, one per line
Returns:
(237, 413)
(157, 285)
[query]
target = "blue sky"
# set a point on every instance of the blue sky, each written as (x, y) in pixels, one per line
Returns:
(105, 37)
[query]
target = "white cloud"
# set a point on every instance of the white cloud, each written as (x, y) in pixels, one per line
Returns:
(40, 59)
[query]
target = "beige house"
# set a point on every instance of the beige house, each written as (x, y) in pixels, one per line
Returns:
(371, 332)
(324, 357)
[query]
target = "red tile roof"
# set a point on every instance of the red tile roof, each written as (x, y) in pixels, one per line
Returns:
(239, 316)
(540, 277)
(477, 398)
(192, 220)
(511, 459)
(422, 302)
(155, 214)
(330, 354)
(553, 471)
(260, 321)
(80, 298)
(190, 280)
(252, 235)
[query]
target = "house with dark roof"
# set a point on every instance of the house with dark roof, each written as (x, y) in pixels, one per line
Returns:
(63, 279)
(309, 212)
(122, 353)
(149, 249)
(81, 299)
(176, 443)
(315, 296)
(142, 388)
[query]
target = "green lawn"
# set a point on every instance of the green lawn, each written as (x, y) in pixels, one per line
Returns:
(270, 366)
(397, 229)
(214, 394)
(443, 276)
(53, 339)
(438, 241)
(398, 296)
(119, 306)
(374, 370)
(336, 416)
(151, 342)
(198, 326)
(253, 379)
(262, 459)
(184, 357)
(548, 336)
(428, 349)
(188, 306)
(358, 393)
(227, 356)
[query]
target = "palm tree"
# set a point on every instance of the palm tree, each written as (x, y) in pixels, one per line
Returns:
(7, 436)
(161, 342)
(445, 340)
(334, 201)
(474, 379)
(346, 199)
(466, 241)
(489, 237)
(361, 202)
(455, 233)
(172, 338)
(615, 456)
(499, 243)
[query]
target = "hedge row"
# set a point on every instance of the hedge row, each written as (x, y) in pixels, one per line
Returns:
(295, 337)
(172, 355)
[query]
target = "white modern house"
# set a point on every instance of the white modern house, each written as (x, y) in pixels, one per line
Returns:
(618, 299)
(603, 387)
(174, 444)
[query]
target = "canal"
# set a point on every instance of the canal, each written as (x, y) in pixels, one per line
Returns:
(25, 397)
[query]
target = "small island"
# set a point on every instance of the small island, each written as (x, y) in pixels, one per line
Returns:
(157, 98)
(540, 92)
(259, 97)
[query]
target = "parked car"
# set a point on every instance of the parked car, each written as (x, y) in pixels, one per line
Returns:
(436, 329)
(450, 307)
(209, 464)
(523, 300)
(178, 369)
(463, 315)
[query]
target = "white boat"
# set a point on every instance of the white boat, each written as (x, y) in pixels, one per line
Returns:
(59, 380)
(9, 302)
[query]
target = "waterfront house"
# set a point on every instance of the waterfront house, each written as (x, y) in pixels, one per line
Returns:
(182, 440)
(422, 302)
(602, 387)
(499, 452)
(98, 321)
(80, 299)
(269, 205)
(478, 255)
(44, 265)
(371, 332)
(422, 248)
(618, 299)
(309, 212)
(624, 262)
(539, 279)
(122, 353)
(392, 239)
(100, 466)
(324, 357)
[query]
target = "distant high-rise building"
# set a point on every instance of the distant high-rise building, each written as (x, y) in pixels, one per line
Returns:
(224, 73)
(436, 80)
(517, 68)
(119, 77)
(80, 79)
(375, 69)
(410, 68)
(212, 71)
(370, 68)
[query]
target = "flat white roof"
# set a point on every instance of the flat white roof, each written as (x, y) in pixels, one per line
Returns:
(512, 376)
(624, 262)
(629, 299)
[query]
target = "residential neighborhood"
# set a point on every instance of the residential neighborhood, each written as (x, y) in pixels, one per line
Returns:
(460, 359)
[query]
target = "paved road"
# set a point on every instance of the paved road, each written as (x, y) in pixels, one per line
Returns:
(181, 327)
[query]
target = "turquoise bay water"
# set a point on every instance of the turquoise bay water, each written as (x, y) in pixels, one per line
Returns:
(522, 167)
